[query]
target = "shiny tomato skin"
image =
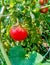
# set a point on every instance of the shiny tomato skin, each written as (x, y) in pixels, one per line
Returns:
(18, 33)
(44, 10)
(42, 2)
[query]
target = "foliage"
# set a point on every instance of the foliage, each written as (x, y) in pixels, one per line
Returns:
(18, 58)
(27, 14)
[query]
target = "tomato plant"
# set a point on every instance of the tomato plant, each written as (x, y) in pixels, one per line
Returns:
(25, 32)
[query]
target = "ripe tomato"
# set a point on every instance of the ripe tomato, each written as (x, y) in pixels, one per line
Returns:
(42, 2)
(44, 10)
(18, 33)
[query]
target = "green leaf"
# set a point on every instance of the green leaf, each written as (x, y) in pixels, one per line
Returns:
(36, 57)
(17, 51)
(17, 57)
(46, 63)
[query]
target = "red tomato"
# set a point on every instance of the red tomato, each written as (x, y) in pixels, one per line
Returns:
(18, 33)
(42, 2)
(44, 10)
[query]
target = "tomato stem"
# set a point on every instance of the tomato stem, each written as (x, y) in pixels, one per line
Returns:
(2, 2)
(2, 11)
(45, 6)
(46, 53)
(4, 54)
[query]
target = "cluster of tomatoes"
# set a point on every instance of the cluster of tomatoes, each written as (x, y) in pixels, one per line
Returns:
(42, 3)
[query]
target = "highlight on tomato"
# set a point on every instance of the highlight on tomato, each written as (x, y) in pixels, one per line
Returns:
(42, 2)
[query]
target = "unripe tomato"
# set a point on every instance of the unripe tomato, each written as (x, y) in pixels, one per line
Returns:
(42, 2)
(18, 33)
(44, 10)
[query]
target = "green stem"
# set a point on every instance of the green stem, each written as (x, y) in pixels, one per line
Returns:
(2, 2)
(46, 53)
(38, 8)
(2, 11)
(4, 54)
(45, 6)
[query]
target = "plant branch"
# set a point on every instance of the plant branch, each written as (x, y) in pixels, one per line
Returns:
(2, 11)
(44, 6)
(40, 7)
(46, 54)
(2, 2)
(4, 54)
